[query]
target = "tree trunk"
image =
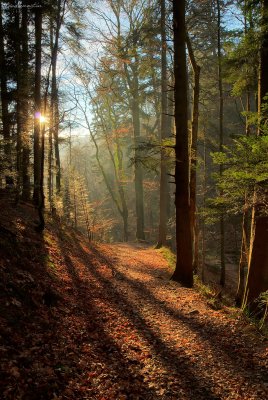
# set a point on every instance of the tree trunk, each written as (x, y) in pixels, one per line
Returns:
(4, 96)
(257, 279)
(162, 232)
(133, 86)
(243, 261)
(244, 249)
(26, 190)
(37, 103)
(55, 108)
(54, 91)
(194, 132)
(54, 103)
(50, 134)
(263, 68)
(125, 225)
(22, 66)
(222, 224)
(184, 264)
(50, 158)
(138, 168)
(19, 97)
(204, 204)
(41, 204)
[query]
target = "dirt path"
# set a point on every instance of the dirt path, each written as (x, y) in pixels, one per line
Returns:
(122, 330)
(195, 352)
(155, 340)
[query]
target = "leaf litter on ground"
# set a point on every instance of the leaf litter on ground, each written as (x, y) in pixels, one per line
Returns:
(104, 322)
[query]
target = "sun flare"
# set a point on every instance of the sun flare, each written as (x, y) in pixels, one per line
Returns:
(41, 117)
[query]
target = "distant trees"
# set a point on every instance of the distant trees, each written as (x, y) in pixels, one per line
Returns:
(124, 92)
(76, 207)
(107, 131)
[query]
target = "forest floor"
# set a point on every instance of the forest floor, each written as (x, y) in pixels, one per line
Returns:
(104, 322)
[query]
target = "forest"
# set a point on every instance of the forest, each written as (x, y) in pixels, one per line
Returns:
(134, 199)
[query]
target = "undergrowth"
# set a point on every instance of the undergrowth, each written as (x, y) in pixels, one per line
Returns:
(169, 256)
(211, 294)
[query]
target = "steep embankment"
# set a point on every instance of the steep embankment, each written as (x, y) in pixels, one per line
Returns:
(104, 322)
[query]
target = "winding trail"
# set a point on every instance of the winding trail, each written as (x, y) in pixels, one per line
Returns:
(119, 329)
(152, 339)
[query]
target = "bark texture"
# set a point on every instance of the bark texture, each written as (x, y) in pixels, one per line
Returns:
(37, 104)
(257, 280)
(194, 133)
(4, 95)
(162, 232)
(184, 265)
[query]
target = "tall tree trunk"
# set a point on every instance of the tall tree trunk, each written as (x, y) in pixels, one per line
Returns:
(26, 192)
(19, 97)
(4, 95)
(220, 86)
(54, 90)
(244, 248)
(133, 86)
(194, 132)
(244, 252)
(204, 204)
(162, 232)
(50, 133)
(121, 191)
(22, 112)
(50, 158)
(55, 26)
(263, 68)
(138, 167)
(41, 204)
(184, 264)
(257, 279)
(55, 108)
(37, 103)
(170, 130)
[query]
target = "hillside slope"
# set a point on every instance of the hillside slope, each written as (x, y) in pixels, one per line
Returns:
(104, 322)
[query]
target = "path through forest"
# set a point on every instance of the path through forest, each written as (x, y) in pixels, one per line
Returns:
(120, 329)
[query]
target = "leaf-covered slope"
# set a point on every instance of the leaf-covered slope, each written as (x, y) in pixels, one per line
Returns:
(104, 322)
